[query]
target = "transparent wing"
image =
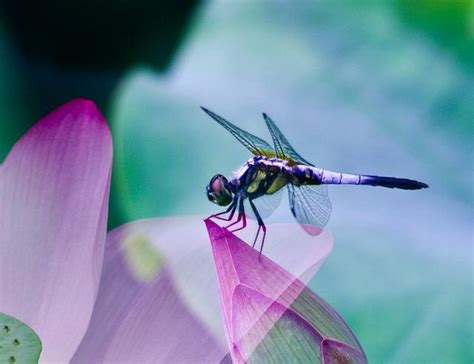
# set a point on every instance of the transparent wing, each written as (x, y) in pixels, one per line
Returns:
(255, 144)
(265, 204)
(283, 148)
(310, 206)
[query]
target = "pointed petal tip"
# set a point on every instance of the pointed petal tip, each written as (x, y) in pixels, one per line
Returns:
(216, 232)
(80, 110)
(208, 220)
(86, 113)
(81, 114)
(86, 107)
(81, 104)
(81, 101)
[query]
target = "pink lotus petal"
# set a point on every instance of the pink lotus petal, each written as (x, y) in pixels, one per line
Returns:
(154, 297)
(54, 188)
(269, 313)
(167, 309)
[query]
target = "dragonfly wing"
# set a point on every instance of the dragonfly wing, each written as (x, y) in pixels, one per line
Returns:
(310, 206)
(255, 144)
(283, 148)
(266, 204)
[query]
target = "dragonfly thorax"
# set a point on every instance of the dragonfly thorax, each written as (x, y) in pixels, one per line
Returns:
(259, 176)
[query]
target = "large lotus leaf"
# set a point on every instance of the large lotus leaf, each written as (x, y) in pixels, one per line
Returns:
(353, 89)
(404, 304)
(18, 342)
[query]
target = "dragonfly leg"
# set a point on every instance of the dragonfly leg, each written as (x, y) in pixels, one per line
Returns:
(241, 217)
(264, 228)
(261, 226)
(244, 224)
(256, 236)
(231, 209)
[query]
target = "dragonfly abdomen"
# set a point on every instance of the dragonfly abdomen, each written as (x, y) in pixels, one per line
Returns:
(309, 175)
(329, 177)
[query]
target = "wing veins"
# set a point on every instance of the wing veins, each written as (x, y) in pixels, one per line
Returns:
(253, 143)
(283, 148)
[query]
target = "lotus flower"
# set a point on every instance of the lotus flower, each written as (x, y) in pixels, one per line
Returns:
(147, 291)
(270, 315)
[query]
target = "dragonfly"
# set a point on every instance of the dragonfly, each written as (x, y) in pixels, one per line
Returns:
(263, 177)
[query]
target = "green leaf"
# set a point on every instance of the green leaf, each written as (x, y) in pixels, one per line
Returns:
(18, 342)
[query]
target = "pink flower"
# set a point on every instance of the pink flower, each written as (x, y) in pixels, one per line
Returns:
(88, 300)
(269, 314)
(54, 190)
(147, 291)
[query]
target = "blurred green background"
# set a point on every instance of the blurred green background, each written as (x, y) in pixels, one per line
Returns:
(375, 87)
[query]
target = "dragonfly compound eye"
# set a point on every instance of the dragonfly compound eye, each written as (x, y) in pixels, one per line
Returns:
(218, 192)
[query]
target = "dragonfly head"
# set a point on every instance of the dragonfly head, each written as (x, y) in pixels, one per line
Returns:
(218, 190)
